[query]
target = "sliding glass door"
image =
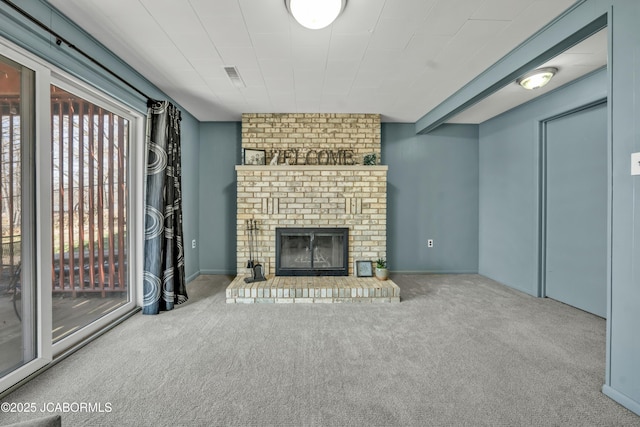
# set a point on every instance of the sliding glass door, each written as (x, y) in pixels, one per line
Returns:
(18, 330)
(89, 188)
(67, 184)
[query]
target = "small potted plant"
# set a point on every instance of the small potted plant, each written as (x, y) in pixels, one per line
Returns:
(381, 269)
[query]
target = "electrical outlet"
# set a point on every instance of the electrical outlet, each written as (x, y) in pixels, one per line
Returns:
(430, 243)
(635, 163)
(193, 244)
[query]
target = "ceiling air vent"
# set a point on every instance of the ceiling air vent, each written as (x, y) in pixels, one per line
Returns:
(234, 76)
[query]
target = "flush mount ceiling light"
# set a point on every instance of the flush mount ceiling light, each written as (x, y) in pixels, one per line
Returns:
(315, 14)
(537, 78)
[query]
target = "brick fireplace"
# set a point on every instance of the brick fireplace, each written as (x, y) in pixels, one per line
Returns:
(319, 181)
(312, 195)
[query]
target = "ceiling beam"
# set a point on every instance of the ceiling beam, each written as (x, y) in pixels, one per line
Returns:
(582, 20)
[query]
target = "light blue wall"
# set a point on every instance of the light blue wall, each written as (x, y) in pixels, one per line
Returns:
(509, 215)
(220, 148)
(623, 382)
(16, 29)
(575, 209)
(432, 194)
(190, 141)
(513, 198)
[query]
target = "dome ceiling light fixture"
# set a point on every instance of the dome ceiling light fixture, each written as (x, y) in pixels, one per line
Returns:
(315, 14)
(537, 78)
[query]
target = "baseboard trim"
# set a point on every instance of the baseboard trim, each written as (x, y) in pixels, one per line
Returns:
(622, 399)
(193, 277)
(224, 272)
(234, 272)
(434, 272)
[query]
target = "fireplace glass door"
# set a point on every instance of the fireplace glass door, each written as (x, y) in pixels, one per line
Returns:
(312, 251)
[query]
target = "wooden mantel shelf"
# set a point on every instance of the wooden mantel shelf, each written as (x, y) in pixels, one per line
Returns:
(311, 167)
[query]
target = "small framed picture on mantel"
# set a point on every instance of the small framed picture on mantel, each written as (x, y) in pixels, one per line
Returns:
(253, 157)
(363, 269)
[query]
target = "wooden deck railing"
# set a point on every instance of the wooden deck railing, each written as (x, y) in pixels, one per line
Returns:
(89, 149)
(89, 189)
(10, 187)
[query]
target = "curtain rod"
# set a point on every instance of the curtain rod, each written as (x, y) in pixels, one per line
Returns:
(60, 40)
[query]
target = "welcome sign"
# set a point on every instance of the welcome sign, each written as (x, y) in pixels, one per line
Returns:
(298, 156)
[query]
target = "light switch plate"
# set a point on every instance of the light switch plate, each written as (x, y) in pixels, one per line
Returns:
(635, 163)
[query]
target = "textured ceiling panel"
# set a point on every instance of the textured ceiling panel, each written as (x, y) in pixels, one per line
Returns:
(399, 58)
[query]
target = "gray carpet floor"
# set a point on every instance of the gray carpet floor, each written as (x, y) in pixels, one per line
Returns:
(459, 350)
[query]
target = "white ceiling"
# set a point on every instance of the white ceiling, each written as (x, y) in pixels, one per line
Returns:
(399, 58)
(583, 58)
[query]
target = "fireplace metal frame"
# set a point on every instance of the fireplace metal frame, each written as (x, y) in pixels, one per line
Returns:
(289, 271)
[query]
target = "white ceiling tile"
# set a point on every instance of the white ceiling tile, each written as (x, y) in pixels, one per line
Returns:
(217, 7)
(348, 46)
(424, 46)
(275, 46)
(308, 76)
(308, 92)
(448, 16)
(207, 64)
(227, 31)
(195, 48)
(171, 15)
(280, 84)
(276, 69)
(408, 10)
(192, 76)
(264, 16)
(500, 10)
(337, 87)
(472, 37)
(391, 33)
(307, 106)
(256, 93)
(283, 102)
(309, 60)
(221, 86)
(585, 60)
(252, 76)
(537, 15)
(479, 32)
(380, 54)
(359, 16)
(239, 57)
(301, 36)
(214, 73)
(376, 59)
(307, 54)
(340, 70)
(106, 9)
(364, 93)
(368, 79)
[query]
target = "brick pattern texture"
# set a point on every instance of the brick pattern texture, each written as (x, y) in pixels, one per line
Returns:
(317, 138)
(306, 196)
(312, 195)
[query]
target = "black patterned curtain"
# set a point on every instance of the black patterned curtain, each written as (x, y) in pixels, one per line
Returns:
(164, 279)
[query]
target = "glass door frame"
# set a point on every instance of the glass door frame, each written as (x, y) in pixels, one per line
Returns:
(37, 252)
(135, 181)
(37, 211)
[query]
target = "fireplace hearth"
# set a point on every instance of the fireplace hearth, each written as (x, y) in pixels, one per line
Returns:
(312, 251)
